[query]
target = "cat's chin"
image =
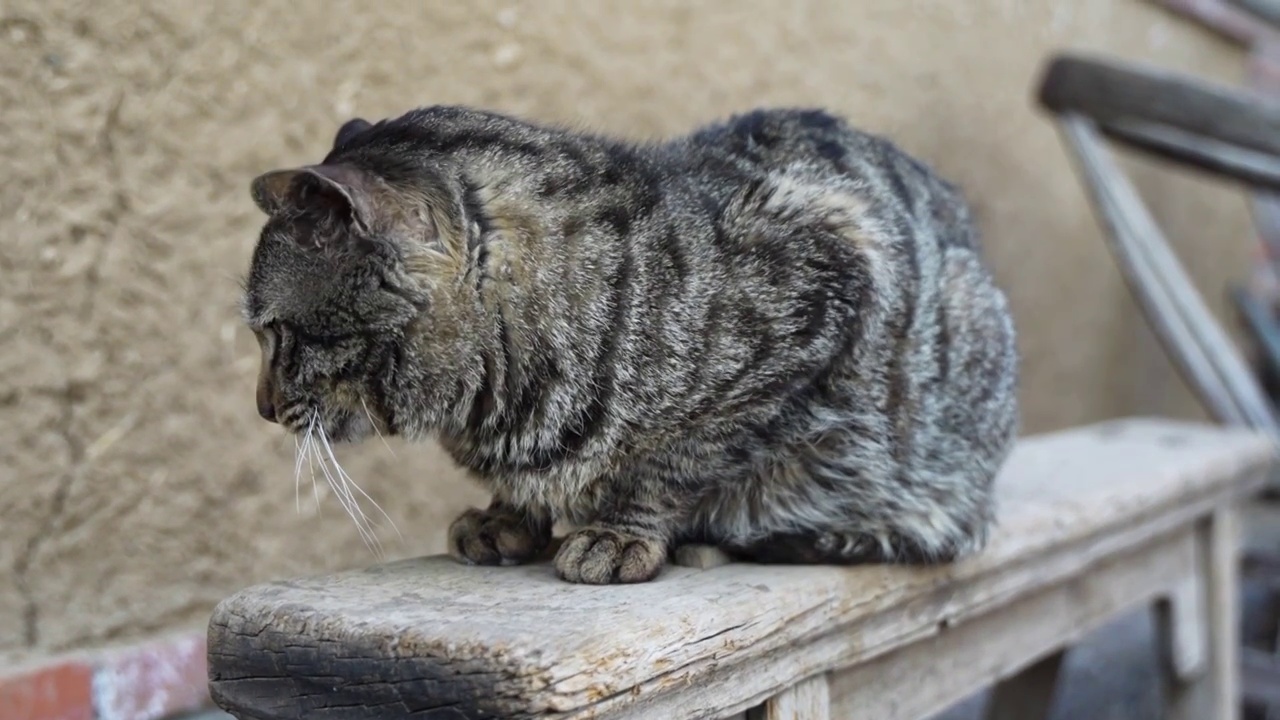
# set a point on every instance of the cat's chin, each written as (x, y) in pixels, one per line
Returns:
(351, 429)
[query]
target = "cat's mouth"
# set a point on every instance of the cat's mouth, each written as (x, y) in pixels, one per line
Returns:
(334, 425)
(295, 418)
(340, 413)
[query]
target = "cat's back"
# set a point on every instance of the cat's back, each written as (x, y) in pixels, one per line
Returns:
(769, 138)
(818, 146)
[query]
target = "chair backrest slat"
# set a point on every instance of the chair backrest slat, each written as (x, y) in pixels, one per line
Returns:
(1226, 131)
(1197, 344)
(1234, 133)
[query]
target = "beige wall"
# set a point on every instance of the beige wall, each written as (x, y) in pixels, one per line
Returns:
(137, 485)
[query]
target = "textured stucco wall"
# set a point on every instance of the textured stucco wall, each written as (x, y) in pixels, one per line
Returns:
(137, 485)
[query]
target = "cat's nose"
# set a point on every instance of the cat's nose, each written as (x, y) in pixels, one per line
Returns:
(266, 408)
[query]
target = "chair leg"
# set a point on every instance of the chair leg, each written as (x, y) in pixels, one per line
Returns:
(1209, 689)
(807, 700)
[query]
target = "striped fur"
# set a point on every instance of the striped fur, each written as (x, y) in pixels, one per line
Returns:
(775, 334)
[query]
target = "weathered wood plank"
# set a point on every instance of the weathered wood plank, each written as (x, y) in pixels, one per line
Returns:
(917, 621)
(1029, 694)
(1258, 169)
(430, 638)
(1216, 693)
(1182, 628)
(1220, 565)
(1222, 129)
(1201, 350)
(1109, 92)
(923, 678)
(810, 699)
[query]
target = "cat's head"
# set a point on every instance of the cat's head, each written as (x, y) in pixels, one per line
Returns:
(354, 286)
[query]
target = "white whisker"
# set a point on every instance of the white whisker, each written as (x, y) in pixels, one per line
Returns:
(309, 449)
(342, 488)
(345, 501)
(382, 512)
(344, 484)
(348, 480)
(375, 428)
(316, 448)
(297, 475)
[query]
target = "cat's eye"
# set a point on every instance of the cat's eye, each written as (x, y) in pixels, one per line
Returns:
(268, 337)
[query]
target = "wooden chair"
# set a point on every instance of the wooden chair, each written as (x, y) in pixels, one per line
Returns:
(1233, 133)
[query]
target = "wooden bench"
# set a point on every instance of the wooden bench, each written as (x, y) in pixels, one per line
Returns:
(1094, 521)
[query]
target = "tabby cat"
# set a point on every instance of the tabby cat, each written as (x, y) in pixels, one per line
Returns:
(774, 334)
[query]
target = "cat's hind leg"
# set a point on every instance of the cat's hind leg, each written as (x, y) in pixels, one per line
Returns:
(849, 547)
(842, 514)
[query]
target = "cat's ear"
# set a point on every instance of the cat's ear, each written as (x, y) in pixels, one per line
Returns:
(270, 191)
(343, 189)
(350, 129)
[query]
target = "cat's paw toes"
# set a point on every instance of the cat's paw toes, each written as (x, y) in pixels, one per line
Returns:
(847, 545)
(478, 537)
(600, 556)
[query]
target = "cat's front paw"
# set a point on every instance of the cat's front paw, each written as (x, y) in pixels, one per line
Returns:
(488, 537)
(600, 556)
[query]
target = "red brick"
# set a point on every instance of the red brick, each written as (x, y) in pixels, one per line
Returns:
(57, 692)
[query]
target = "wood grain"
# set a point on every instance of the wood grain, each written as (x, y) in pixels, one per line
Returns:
(1223, 129)
(1199, 347)
(429, 638)
(923, 678)
(1107, 91)
(809, 699)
